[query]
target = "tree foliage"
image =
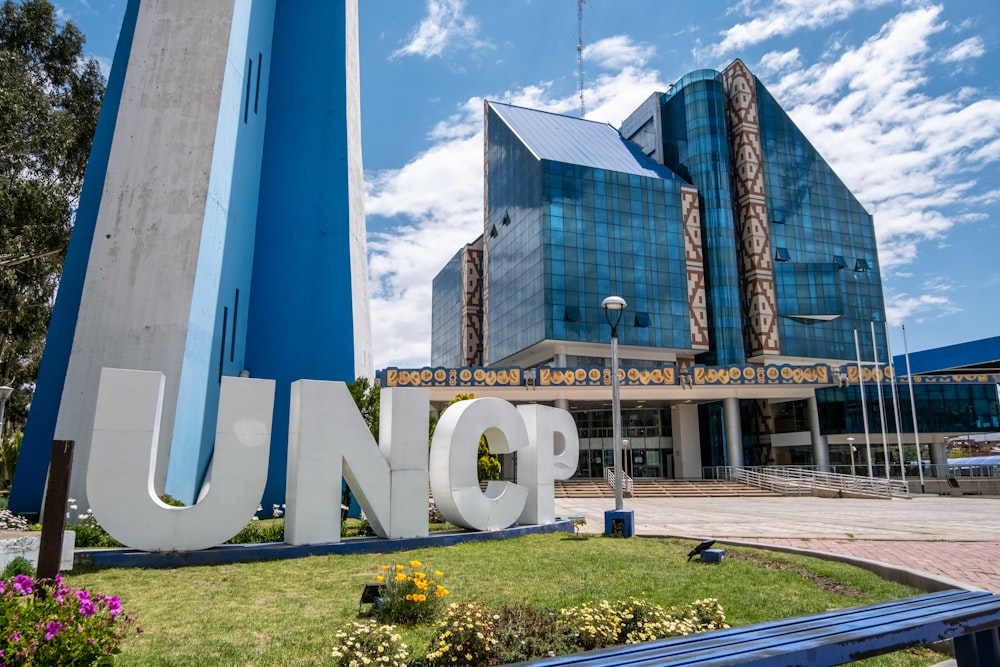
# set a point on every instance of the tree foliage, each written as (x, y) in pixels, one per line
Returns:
(50, 98)
(367, 396)
(487, 464)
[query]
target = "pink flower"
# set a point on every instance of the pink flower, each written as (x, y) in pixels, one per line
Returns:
(114, 604)
(87, 608)
(23, 584)
(52, 629)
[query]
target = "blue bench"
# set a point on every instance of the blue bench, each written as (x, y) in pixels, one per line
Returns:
(838, 637)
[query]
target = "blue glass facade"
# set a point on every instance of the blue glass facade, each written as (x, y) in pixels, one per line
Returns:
(944, 408)
(695, 146)
(446, 315)
(826, 266)
(513, 237)
(721, 226)
(561, 237)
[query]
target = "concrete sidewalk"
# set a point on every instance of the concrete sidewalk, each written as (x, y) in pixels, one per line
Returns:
(954, 538)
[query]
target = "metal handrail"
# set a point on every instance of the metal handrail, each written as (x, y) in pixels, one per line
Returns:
(796, 480)
(609, 477)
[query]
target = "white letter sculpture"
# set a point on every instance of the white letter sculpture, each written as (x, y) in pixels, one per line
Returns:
(327, 439)
(123, 455)
(552, 453)
(453, 463)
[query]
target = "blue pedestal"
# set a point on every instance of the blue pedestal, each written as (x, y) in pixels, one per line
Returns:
(713, 555)
(619, 523)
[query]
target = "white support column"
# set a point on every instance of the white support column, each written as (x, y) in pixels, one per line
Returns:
(821, 450)
(939, 455)
(734, 432)
(687, 440)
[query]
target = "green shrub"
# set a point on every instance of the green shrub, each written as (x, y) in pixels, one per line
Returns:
(466, 636)
(260, 532)
(595, 625)
(168, 499)
(52, 624)
(704, 614)
(19, 565)
(91, 535)
(525, 633)
(409, 594)
(643, 621)
(634, 620)
(369, 643)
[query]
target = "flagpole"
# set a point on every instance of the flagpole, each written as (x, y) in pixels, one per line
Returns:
(895, 409)
(881, 402)
(913, 409)
(864, 405)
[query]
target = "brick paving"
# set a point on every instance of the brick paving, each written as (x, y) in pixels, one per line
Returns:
(956, 538)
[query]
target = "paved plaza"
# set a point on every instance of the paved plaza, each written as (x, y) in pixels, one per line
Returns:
(952, 538)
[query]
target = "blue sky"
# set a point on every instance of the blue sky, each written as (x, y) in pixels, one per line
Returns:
(902, 97)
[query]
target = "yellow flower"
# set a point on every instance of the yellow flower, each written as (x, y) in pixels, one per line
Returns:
(400, 577)
(438, 573)
(385, 568)
(399, 568)
(379, 579)
(415, 563)
(409, 596)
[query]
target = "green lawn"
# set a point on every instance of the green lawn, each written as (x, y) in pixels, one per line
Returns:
(285, 612)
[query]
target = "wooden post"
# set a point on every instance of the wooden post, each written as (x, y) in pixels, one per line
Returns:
(54, 512)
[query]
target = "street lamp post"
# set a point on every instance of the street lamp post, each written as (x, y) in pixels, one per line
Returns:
(614, 308)
(5, 393)
(617, 522)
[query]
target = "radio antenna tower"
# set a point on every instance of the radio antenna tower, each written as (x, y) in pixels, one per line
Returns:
(579, 52)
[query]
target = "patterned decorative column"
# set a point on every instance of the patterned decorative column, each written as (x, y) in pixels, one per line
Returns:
(472, 307)
(759, 300)
(694, 258)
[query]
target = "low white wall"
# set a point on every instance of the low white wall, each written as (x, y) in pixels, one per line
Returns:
(28, 545)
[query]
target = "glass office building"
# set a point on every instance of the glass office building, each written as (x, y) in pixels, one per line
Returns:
(741, 255)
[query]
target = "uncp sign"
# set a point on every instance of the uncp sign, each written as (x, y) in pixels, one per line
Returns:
(327, 440)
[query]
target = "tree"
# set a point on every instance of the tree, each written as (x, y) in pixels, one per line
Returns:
(488, 465)
(367, 396)
(50, 98)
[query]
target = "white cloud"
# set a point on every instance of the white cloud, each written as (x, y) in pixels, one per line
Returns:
(970, 48)
(905, 308)
(445, 26)
(776, 18)
(618, 52)
(776, 63)
(910, 157)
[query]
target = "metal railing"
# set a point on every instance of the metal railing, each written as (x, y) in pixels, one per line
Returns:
(609, 477)
(801, 481)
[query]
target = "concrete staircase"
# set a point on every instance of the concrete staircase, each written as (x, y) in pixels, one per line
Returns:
(658, 488)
